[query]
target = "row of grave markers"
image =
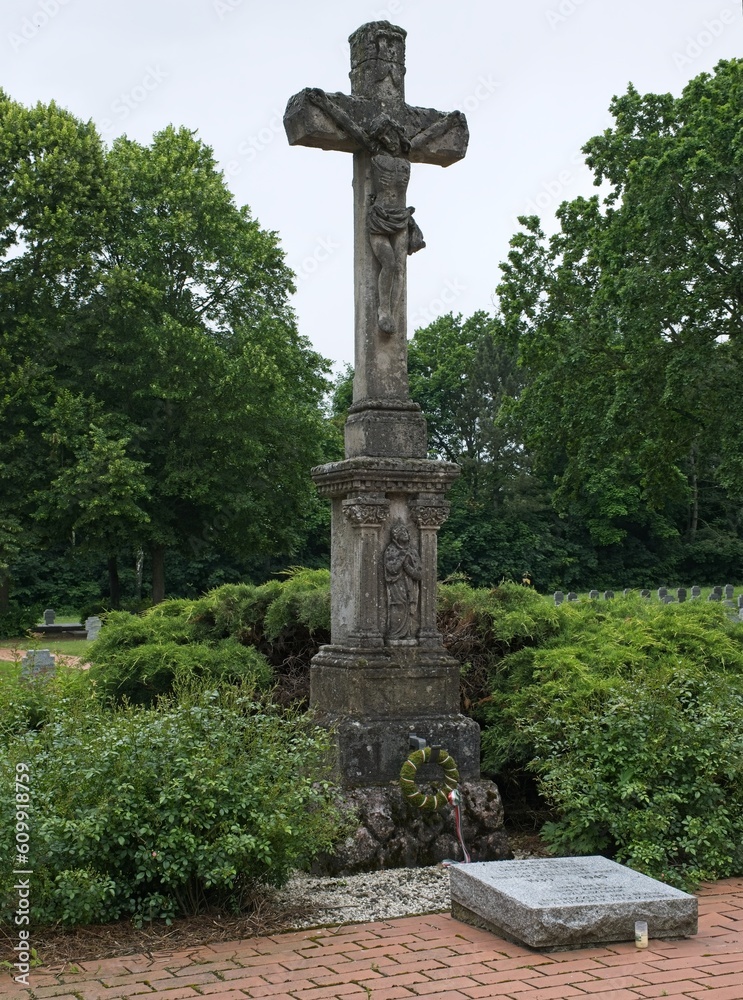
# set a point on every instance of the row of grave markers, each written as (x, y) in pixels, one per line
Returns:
(724, 594)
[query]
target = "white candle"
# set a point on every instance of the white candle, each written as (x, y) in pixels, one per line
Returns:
(641, 933)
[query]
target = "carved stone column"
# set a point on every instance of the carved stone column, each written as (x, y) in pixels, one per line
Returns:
(429, 513)
(366, 513)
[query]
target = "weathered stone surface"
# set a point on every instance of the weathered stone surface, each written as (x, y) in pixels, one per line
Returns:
(566, 902)
(385, 135)
(383, 429)
(390, 682)
(391, 833)
(37, 661)
(93, 626)
(370, 752)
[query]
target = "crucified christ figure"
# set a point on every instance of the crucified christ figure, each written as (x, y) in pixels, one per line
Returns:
(393, 233)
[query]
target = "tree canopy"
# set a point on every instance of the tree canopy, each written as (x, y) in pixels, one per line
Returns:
(628, 326)
(155, 391)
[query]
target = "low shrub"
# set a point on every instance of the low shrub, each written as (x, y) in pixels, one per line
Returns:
(17, 619)
(26, 703)
(629, 716)
(141, 657)
(158, 812)
(237, 632)
(654, 779)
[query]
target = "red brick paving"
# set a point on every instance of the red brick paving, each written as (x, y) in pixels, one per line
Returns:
(430, 956)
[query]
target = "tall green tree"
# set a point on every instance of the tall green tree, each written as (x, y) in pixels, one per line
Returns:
(52, 196)
(628, 324)
(464, 374)
(173, 398)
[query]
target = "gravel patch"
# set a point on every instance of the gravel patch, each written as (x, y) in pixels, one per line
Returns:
(315, 901)
(348, 899)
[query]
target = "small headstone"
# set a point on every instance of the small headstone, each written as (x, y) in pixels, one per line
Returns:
(627, 591)
(594, 595)
(559, 597)
(563, 902)
(729, 591)
(572, 596)
(714, 596)
(740, 601)
(644, 593)
(662, 592)
(608, 595)
(37, 661)
(49, 616)
(667, 599)
(718, 592)
(681, 595)
(695, 593)
(92, 627)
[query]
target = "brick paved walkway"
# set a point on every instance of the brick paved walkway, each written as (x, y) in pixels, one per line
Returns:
(430, 956)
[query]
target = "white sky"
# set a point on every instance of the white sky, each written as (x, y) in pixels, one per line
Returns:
(534, 77)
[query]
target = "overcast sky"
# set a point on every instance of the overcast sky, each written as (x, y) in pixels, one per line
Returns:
(534, 77)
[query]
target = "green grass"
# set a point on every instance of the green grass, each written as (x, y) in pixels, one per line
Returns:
(67, 647)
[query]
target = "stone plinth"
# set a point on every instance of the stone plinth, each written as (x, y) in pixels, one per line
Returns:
(558, 903)
(386, 673)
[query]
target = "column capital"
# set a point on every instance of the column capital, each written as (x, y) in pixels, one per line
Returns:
(428, 514)
(368, 510)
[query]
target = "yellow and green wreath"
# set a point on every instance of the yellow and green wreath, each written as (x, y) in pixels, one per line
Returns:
(427, 802)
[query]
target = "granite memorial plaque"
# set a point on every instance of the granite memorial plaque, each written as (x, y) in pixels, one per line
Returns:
(553, 903)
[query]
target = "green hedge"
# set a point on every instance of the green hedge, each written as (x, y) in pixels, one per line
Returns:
(238, 632)
(158, 812)
(17, 619)
(631, 718)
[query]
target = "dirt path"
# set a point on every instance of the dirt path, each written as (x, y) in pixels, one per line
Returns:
(14, 655)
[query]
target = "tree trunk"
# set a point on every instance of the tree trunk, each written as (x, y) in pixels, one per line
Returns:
(4, 593)
(139, 567)
(114, 587)
(694, 509)
(158, 573)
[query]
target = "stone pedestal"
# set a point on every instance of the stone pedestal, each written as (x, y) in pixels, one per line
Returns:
(386, 673)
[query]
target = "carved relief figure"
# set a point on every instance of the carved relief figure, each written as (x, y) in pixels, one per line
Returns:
(393, 233)
(402, 573)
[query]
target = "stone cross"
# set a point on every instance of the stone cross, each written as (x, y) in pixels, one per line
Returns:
(385, 136)
(385, 673)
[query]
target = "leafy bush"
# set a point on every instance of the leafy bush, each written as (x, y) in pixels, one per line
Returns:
(234, 633)
(630, 717)
(158, 812)
(26, 703)
(655, 779)
(142, 657)
(17, 619)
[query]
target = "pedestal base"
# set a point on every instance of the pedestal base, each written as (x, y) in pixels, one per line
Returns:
(374, 699)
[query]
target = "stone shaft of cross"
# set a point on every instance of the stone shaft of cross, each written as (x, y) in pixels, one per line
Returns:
(385, 135)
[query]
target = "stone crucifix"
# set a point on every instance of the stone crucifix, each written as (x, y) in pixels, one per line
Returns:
(385, 135)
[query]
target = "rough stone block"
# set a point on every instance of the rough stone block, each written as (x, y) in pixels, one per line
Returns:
(372, 751)
(555, 903)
